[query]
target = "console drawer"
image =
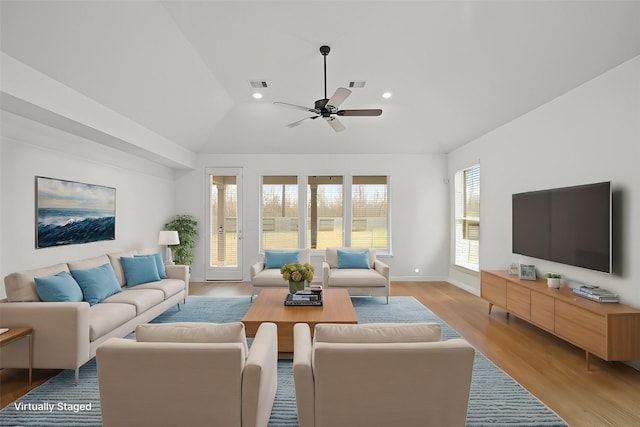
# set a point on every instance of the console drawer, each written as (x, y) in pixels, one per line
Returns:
(542, 311)
(519, 300)
(494, 289)
(582, 327)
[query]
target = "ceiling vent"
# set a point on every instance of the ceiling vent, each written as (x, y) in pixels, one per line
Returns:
(357, 84)
(258, 84)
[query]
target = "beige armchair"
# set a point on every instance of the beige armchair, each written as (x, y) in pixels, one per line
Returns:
(380, 375)
(370, 277)
(267, 275)
(191, 374)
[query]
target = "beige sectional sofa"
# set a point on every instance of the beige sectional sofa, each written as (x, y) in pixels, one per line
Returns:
(66, 334)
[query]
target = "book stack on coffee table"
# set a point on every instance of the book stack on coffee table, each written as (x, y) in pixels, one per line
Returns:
(305, 298)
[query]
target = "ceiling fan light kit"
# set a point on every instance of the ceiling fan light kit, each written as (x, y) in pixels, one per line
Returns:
(327, 108)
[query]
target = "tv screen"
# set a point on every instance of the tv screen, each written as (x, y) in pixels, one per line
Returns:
(570, 225)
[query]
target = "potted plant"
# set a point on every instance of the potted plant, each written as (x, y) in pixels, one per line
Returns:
(187, 228)
(297, 274)
(553, 280)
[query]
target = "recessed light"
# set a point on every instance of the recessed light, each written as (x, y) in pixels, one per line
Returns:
(257, 95)
(386, 95)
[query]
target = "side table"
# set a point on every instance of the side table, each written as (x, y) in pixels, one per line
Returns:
(14, 334)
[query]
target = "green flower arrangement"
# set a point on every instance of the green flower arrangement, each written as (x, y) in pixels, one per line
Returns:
(297, 272)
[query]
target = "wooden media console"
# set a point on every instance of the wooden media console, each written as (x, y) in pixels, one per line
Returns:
(610, 331)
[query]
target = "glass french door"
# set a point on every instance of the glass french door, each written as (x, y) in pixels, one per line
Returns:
(224, 224)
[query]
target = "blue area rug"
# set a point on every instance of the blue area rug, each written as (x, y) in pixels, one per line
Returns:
(496, 399)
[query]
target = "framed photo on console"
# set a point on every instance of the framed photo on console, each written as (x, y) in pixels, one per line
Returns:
(527, 272)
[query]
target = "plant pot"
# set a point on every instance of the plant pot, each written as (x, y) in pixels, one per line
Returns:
(295, 286)
(553, 283)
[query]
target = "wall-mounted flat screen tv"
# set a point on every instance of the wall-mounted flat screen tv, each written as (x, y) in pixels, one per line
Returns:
(570, 225)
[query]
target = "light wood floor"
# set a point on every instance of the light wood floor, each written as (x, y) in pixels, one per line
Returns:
(551, 369)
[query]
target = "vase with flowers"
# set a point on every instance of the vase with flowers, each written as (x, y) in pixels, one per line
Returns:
(297, 274)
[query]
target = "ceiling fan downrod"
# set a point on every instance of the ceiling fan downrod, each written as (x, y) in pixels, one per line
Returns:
(324, 50)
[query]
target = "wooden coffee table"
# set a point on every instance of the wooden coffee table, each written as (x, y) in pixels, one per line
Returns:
(269, 307)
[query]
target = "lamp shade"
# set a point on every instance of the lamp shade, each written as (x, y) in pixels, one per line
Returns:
(168, 238)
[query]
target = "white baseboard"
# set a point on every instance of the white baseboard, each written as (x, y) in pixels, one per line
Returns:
(419, 279)
(464, 287)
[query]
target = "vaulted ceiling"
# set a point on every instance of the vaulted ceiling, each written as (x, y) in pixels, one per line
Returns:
(456, 69)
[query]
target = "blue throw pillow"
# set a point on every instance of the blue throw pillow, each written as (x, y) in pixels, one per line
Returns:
(159, 264)
(139, 270)
(276, 259)
(353, 259)
(97, 283)
(58, 288)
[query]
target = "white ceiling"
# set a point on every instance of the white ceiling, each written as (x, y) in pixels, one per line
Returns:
(457, 69)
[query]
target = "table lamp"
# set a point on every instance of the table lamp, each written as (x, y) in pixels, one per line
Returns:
(167, 238)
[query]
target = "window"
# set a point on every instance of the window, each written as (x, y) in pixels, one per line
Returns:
(279, 212)
(324, 212)
(369, 212)
(334, 211)
(467, 218)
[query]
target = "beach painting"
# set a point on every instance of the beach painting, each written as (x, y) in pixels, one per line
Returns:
(70, 212)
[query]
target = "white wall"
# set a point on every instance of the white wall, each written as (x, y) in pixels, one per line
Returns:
(144, 192)
(590, 134)
(417, 193)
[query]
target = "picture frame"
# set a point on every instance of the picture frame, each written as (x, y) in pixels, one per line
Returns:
(513, 269)
(527, 272)
(71, 212)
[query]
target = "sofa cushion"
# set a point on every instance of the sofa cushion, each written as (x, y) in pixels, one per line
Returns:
(139, 270)
(269, 278)
(141, 299)
(114, 258)
(20, 286)
(162, 272)
(378, 333)
(61, 287)
(355, 278)
(170, 287)
(97, 283)
(276, 259)
(193, 332)
(331, 255)
(348, 259)
(87, 263)
(104, 318)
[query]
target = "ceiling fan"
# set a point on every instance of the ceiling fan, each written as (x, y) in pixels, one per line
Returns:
(327, 108)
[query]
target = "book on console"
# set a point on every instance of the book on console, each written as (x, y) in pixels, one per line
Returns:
(609, 297)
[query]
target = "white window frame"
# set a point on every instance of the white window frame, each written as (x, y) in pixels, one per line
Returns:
(347, 209)
(466, 251)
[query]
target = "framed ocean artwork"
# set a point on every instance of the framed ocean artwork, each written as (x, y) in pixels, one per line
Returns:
(70, 213)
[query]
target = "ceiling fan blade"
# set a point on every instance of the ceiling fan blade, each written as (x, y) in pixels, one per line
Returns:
(336, 125)
(299, 122)
(339, 96)
(372, 112)
(297, 107)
